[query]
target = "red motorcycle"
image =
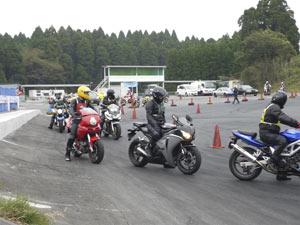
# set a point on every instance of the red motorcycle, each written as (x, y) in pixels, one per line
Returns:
(87, 138)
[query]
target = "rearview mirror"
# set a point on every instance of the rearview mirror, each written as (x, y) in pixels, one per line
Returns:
(188, 118)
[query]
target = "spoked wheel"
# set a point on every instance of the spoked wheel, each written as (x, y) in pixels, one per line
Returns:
(136, 157)
(98, 152)
(239, 168)
(190, 161)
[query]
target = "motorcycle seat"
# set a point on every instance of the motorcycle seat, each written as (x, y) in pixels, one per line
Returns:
(251, 134)
(140, 124)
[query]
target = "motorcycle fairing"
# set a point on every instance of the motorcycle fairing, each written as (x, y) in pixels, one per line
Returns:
(249, 139)
(291, 135)
(168, 145)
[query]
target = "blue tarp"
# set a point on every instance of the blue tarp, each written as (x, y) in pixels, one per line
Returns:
(5, 91)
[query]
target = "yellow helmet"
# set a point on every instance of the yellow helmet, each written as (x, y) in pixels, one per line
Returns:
(83, 92)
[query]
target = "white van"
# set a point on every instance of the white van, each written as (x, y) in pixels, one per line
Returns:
(205, 87)
(186, 90)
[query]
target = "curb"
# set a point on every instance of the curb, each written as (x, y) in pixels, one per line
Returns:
(11, 121)
(6, 222)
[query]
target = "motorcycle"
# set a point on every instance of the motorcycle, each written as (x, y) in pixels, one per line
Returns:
(61, 114)
(111, 125)
(87, 140)
(247, 162)
(267, 90)
(175, 148)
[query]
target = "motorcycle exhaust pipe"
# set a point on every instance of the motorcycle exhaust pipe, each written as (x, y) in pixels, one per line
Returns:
(244, 152)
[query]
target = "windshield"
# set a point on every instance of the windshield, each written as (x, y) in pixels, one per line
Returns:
(209, 85)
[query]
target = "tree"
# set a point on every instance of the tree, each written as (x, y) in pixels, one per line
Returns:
(274, 15)
(3, 79)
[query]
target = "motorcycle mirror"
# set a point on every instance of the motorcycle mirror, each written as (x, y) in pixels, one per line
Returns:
(188, 118)
(175, 118)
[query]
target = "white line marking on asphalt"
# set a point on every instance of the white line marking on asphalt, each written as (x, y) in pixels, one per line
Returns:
(11, 143)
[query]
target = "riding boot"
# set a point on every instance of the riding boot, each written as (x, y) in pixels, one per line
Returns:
(277, 161)
(68, 149)
(51, 123)
(281, 176)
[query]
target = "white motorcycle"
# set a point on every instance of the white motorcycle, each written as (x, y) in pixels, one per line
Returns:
(112, 118)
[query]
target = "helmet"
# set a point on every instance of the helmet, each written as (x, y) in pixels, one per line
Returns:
(279, 98)
(57, 96)
(159, 94)
(110, 93)
(83, 92)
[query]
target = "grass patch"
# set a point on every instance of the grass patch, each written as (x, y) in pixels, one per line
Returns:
(18, 210)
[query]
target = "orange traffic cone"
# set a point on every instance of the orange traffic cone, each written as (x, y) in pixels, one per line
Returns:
(261, 97)
(198, 109)
(227, 101)
(172, 103)
(209, 101)
(191, 102)
(244, 98)
(122, 110)
(133, 113)
(217, 138)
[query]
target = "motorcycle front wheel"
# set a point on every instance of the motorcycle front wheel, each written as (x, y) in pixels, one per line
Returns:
(61, 126)
(245, 173)
(136, 158)
(117, 131)
(190, 161)
(98, 152)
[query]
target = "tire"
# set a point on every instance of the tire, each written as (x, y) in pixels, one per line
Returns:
(136, 158)
(97, 155)
(192, 151)
(234, 170)
(117, 133)
(61, 126)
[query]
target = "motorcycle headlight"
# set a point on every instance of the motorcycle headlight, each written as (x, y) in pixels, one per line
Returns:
(93, 121)
(59, 111)
(186, 135)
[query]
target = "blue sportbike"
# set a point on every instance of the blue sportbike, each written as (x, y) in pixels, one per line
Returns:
(248, 160)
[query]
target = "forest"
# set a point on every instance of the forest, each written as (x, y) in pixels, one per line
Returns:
(265, 48)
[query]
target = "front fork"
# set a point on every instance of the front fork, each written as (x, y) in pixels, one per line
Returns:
(92, 140)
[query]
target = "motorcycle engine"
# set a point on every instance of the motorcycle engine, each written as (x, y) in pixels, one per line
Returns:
(294, 161)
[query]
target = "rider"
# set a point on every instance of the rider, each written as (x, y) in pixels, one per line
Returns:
(282, 86)
(269, 129)
(57, 102)
(83, 100)
(267, 87)
(155, 113)
(109, 99)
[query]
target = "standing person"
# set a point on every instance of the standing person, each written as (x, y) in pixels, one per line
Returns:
(282, 86)
(83, 100)
(235, 94)
(267, 88)
(269, 128)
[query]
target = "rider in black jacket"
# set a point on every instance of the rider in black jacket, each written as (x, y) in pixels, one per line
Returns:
(109, 99)
(155, 113)
(269, 129)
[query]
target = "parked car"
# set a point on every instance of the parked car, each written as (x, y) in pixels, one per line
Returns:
(223, 91)
(248, 90)
(186, 90)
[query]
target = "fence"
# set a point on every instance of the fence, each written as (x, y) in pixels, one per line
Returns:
(8, 98)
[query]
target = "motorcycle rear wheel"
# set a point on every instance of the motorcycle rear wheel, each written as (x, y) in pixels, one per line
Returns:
(246, 174)
(190, 162)
(97, 155)
(136, 158)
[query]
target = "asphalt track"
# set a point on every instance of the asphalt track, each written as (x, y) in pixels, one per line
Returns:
(117, 193)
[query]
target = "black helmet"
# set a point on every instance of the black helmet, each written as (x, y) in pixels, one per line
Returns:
(279, 98)
(110, 93)
(159, 94)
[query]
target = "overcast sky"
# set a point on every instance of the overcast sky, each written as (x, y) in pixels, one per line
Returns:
(201, 18)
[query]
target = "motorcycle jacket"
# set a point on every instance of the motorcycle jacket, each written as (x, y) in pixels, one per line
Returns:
(78, 103)
(272, 117)
(108, 101)
(155, 113)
